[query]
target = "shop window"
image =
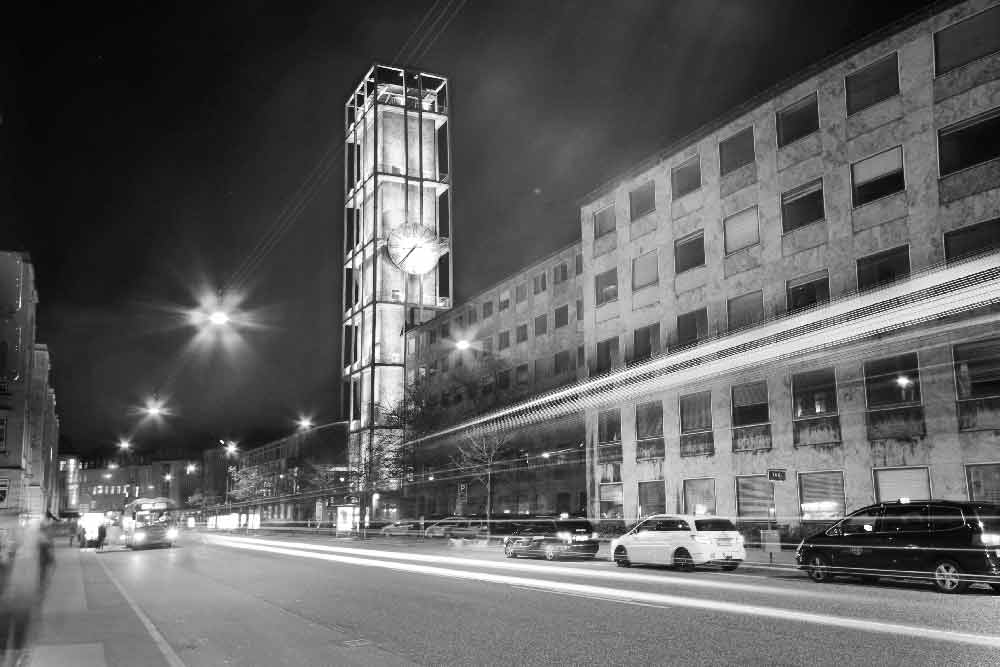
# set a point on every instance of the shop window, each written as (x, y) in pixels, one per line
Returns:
(611, 502)
(896, 483)
(970, 142)
(984, 482)
(883, 268)
(966, 41)
(689, 252)
(652, 498)
(686, 177)
(872, 84)
(798, 120)
(892, 382)
(821, 496)
(649, 430)
(802, 206)
(877, 176)
(755, 498)
(642, 200)
(699, 496)
(736, 151)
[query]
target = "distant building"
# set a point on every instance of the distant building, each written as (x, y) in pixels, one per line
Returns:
(108, 486)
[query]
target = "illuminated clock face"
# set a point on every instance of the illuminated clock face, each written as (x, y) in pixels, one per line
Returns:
(415, 249)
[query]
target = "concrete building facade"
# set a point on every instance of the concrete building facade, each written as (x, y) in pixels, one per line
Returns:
(873, 168)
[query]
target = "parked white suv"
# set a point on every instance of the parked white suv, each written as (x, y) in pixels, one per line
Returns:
(682, 540)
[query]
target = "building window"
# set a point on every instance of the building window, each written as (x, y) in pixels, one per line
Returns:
(754, 498)
(607, 354)
(878, 176)
(883, 268)
(539, 283)
(741, 230)
(984, 482)
(521, 293)
(802, 206)
(560, 274)
(808, 290)
(581, 356)
(872, 84)
(977, 369)
(895, 483)
(445, 331)
(736, 151)
(814, 394)
(579, 310)
(562, 316)
(652, 498)
(746, 310)
(444, 364)
(642, 200)
(750, 404)
(541, 370)
(893, 381)
(821, 496)
(606, 286)
(487, 309)
(686, 177)
(611, 502)
(432, 336)
(579, 264)
(4, 492)
(646, 342)
(563, 362)
(982, 237)
(503, 340)
(692, 327)
(689, 252)
(967, 41)
(699, 496)
(521, 333)
(521, 375)
(645, 271)
(541, 325)
(473, 315)
(696, 412)
(503, 380)
(604, 223)
(970, 142)
(649, 431)
(609, 426)
(798, 120)
(504, 300)
(486, 345)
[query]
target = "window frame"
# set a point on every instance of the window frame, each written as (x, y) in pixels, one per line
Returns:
(632, 214)
(673, 181)
(777, 120)
(873, 63)
(816, 275)
(898, 404)
(544, 319)
(555, 317)
(843, 489)
(725, 231)
(753, 144)
(614, 221)
(958, 126)
(836, 396)
(954, 367)
(798, 192)
(958, 231)
(680, 413)
(733, 407)
(656, 264)
(700, 233)
(598, 291)
(886, 252)
(517, 333)
(934, 45)
(902, 162)
(729, 314)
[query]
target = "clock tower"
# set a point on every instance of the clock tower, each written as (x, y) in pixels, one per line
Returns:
(397, 241)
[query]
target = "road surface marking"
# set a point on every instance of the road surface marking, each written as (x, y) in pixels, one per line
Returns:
(168, 653)
(618, 595)
(611, 573)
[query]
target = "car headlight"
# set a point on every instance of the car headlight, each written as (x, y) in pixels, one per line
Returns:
(139, 537)
(565, 536)
(172, 534)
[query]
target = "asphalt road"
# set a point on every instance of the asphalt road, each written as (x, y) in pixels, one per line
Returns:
(217, 600)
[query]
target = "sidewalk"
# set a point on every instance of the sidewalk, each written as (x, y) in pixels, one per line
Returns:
(85, 622)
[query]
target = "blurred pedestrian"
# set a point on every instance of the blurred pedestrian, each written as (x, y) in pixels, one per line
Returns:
(30, 564)
(81, 536)
(102, 535)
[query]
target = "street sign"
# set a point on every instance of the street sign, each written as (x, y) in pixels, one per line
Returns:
(463, 492)
(777, 474)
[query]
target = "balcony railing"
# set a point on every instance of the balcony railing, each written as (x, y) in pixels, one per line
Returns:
(650, 448)
(902, 422)
(816, 431)
(752, 438)
(698, 444)
(979, 414)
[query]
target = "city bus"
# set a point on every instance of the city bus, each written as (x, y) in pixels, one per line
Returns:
(150, 522)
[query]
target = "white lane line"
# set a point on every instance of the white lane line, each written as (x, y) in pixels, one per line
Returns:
(513, 565)
(659, 599)
(161, 643)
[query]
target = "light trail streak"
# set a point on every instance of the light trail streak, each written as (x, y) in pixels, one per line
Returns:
(611, 574)
(923, 298)
(638, 597)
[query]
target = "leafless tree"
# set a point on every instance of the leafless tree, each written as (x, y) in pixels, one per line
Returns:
(478, 453)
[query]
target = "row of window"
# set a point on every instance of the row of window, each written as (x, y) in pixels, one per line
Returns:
(821, 494)
(960, 145)
(873, 270)
(889, 383)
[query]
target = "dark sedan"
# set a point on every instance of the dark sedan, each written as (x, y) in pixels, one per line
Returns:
(553, 539)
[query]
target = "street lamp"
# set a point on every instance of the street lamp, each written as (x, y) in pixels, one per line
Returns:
(304, 423)
(219, 318)
(124, 445)
(191, 468)
(462, 344)
(167, 477)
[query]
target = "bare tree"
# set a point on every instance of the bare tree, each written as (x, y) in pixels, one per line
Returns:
(478, 453)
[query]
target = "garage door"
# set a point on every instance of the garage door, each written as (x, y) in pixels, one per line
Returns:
(896, 483)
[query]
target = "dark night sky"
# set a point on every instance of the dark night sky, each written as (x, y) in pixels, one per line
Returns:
(151, 146)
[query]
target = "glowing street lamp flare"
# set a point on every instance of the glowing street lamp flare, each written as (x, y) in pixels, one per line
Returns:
(305, 423)
(219, 318)
(231, 448)
(462, 345)
(191, 468)
(124, 445)
(167, 477)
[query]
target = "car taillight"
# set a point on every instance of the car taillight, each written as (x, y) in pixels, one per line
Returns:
(989, 539)
(703, 539)
(594, 535)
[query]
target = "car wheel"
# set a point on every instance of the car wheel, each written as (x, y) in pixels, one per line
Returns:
(508, 550)
(683, 561)
(819, 569)
(621, 557)
(551, 553)
(948, 577)
(731, 567)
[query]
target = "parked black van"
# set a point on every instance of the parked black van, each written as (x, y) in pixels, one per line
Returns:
(954, 544)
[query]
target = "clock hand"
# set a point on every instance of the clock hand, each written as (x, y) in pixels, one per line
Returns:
(408, 254)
